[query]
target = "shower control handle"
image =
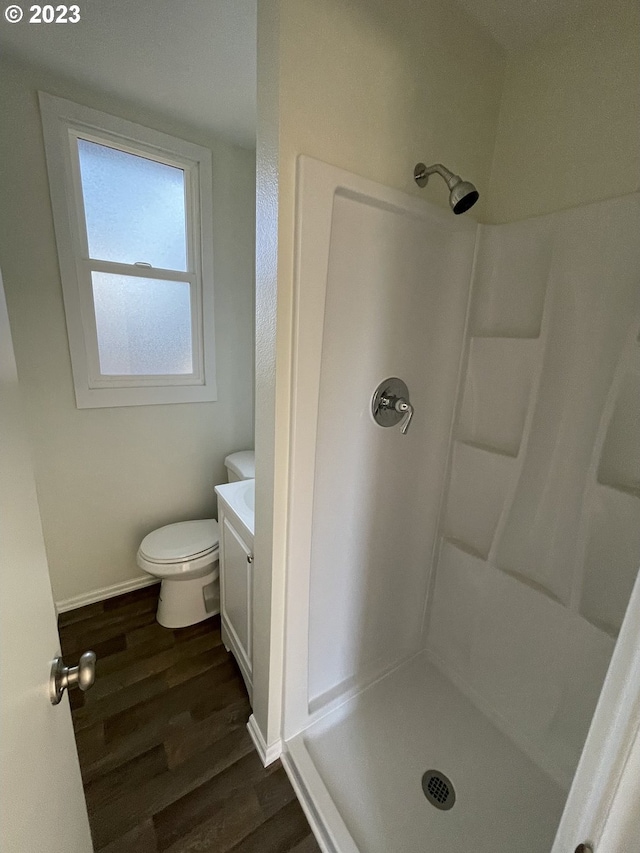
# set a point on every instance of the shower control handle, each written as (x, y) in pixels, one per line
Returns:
(405, 408)
(390, 404)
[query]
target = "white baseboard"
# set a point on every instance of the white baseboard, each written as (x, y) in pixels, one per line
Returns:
(104, 593)
(268, 754)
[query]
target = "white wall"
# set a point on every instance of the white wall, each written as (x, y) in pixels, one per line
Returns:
(106, 477)
(569, 128)
(373, 87)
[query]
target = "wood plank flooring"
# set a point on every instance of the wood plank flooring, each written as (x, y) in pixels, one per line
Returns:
(166, 759)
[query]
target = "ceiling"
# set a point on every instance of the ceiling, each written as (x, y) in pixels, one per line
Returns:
(192, 59)
(516, 23)
(196, 59)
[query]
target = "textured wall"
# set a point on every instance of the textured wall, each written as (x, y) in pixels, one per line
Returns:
(271, 432)
(106, 477)
(569, 128)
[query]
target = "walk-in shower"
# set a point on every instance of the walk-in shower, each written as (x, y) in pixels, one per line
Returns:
(462, 194)
(455, 593)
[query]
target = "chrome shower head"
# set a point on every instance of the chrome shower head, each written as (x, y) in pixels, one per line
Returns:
(462, 194)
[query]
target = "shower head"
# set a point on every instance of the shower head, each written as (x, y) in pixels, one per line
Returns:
(462, 194)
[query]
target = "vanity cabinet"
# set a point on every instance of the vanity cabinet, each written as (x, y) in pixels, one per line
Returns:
(236, 583)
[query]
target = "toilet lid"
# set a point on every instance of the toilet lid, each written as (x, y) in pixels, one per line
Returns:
(182, 541)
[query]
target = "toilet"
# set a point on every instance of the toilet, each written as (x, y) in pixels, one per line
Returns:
(184, 557)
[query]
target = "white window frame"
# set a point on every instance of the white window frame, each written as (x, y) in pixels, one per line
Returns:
(63, 123)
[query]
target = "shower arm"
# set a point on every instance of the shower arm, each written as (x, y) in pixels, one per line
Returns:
(421, 175)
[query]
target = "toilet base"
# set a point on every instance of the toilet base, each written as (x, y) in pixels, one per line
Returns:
(187, 602)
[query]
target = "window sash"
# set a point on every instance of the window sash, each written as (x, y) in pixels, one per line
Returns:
(96, 378)
(191, 182)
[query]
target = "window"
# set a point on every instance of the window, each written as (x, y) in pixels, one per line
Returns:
(133, 223)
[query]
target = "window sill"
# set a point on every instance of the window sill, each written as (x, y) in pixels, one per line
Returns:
(96, 398)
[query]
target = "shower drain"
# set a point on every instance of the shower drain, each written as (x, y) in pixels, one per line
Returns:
(438, 789)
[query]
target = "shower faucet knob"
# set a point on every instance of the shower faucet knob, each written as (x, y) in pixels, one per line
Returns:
(390, 404)
(405, 408)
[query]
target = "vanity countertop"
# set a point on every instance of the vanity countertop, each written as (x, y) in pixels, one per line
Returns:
(239, 501)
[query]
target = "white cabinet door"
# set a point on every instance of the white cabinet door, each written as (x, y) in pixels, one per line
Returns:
(42, 806)
(236, 591)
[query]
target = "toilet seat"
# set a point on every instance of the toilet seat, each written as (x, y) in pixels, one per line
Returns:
(182, 551)
(176, 543)
(184, 571)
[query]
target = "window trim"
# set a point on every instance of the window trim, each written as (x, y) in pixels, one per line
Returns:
(63, 122)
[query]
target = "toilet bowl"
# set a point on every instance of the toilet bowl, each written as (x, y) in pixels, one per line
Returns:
(184, 557)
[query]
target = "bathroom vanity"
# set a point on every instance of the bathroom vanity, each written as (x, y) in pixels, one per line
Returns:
(236, 503)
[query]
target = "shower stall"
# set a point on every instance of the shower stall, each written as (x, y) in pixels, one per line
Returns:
(455, 592)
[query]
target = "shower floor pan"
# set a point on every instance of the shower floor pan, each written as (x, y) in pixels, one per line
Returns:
(360, 770)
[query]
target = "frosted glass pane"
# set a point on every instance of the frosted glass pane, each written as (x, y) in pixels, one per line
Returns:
(144, 325)
(134, 208)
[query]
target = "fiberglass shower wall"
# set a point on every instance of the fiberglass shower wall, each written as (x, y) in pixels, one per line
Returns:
(540, 538)
(397, 288)
(532, 510)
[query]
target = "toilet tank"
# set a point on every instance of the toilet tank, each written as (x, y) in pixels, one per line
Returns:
(240, 466)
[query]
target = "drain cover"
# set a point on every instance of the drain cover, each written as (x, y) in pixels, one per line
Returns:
(438, 789)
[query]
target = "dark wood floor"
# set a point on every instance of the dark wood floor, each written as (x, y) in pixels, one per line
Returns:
(166, 759)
